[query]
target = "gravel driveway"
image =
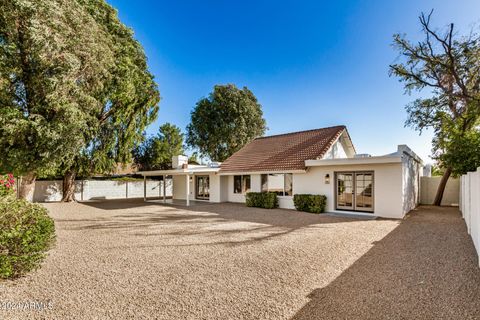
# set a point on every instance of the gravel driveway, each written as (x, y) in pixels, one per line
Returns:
(127, 259)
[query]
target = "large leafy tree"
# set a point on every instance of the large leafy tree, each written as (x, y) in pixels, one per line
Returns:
(54, 62)
(156, 152)
(224, 122)
(447, 66)
(128, 103)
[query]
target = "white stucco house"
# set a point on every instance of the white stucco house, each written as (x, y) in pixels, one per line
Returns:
(320, 161)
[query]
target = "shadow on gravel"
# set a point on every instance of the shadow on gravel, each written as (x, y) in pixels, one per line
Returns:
(213, 222)
(426, 268)
(211, 213)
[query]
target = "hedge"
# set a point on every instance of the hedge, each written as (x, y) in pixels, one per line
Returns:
(310, 202)
(26, 233)
(267, 200)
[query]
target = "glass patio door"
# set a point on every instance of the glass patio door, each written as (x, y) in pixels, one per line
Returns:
(344, 184)
(202, 187)
(363, 191)
(354, 191)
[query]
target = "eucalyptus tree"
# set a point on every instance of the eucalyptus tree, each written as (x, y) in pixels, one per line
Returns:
(128, 103)
(224, 122)
(447, 66)
(54, 62)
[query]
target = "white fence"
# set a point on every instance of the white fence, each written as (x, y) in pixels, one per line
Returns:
(470, 205)
(100, 189)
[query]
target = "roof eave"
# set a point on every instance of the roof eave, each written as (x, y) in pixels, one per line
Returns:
(353, 161)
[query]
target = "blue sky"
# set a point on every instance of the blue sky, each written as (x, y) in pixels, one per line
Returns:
(311, 64)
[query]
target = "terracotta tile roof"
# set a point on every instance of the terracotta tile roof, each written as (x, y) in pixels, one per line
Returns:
(282, 152)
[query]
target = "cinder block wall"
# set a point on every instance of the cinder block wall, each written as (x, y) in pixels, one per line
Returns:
(46, 191)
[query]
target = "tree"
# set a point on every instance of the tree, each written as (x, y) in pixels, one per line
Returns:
(54, 60)
(129, 103)
(224, 122)
(156, 152)
(449, 67)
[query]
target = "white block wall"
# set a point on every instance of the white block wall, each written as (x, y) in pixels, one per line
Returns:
(470, 205)
(100, 189)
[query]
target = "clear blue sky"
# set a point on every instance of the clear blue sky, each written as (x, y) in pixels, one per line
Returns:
(311, 64)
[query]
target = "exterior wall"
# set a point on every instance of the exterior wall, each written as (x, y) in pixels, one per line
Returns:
(411, 183)
(179, 187)
(429, 186)
(217, 187)
(255, 186)
(46, 191)
(336, 151)
(223, 188)
(387, 186)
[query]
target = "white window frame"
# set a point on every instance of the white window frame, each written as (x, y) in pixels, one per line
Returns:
(242, 183)
(284, 177)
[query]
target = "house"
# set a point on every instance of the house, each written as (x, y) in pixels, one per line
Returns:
(320, 161)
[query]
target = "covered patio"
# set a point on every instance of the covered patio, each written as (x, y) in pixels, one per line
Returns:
(190, 184)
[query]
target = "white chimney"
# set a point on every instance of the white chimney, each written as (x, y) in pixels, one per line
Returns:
(179, 161)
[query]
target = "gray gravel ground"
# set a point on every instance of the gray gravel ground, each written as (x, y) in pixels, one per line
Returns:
(127, 259)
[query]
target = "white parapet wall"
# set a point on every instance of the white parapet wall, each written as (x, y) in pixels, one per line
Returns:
(470, 205)
(46, 191)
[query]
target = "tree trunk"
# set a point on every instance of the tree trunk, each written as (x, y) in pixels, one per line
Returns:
(69, 186)
(441, 187)
(27, 186)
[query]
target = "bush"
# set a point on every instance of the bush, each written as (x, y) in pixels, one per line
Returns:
(267, 200)
(7, 184)
(310, 202)
(26, 232)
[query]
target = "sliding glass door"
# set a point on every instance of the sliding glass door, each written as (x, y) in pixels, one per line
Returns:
(354, 191)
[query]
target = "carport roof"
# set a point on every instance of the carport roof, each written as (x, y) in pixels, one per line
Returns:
(178, 172)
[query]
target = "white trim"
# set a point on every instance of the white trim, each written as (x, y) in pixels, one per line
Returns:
(236, 173)
(349, 144)
(353, 161)
(178, 172)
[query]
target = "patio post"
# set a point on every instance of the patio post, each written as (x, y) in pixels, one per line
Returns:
(187, 188)
(164, 188)
(144, 188)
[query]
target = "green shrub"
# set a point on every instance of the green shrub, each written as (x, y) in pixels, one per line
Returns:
(267, 200)
(310, 202)
(26, 232)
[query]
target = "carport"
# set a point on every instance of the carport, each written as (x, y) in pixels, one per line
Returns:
(181, 180)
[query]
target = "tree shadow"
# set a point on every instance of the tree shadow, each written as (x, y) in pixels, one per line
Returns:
(426, 268)
(222, 223)
(209, 212)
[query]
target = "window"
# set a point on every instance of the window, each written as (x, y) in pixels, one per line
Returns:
(241, 184)
(280, 183)
(237, 184)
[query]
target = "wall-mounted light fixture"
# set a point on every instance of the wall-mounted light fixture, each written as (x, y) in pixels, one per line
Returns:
(327, 178)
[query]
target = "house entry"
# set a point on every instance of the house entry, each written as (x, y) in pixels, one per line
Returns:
(354, 191)
(202, 187)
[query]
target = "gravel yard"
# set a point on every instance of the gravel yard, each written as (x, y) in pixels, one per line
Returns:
(128, 259)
